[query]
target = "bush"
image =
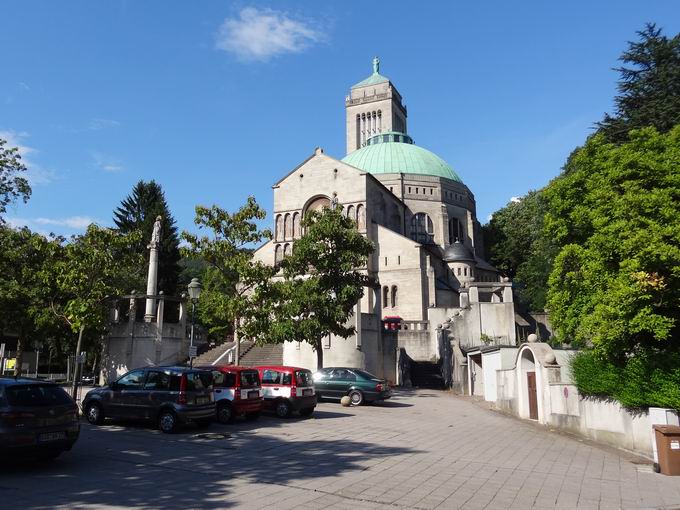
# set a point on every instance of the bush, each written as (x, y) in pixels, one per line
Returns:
(647, 379)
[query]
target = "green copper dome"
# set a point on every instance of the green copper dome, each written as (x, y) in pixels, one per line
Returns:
(394, 153)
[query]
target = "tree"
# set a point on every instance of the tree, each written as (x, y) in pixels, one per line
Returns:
(98, 264)
(138, 212)
(24, 298)
(233, 273)
(616, 280)
(12, 185)
(323, 279)
(649, 88)
(517, 246)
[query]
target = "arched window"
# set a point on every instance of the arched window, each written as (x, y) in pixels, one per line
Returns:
(287, 227)
(361, 217)
(394, 296)
(350, 213)
(318, 204)
(296, 226)
(286, 250)
(277, 255)
(422, 229)
(458, 271)
(279, 228)
(456, 231)
(386, 296)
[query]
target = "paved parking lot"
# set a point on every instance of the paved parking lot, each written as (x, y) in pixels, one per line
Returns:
(423, 449)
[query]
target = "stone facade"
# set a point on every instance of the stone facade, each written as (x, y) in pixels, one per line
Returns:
(429, 251)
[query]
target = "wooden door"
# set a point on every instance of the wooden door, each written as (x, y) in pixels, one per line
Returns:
(533, 399)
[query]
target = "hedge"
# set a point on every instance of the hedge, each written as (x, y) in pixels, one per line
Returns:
(645, 380)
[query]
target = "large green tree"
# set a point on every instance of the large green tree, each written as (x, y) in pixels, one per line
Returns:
(98, 264)
(616, 280)
(233, 273)
(322, 281)
(649, 86)
(138, 212)
(13, 185)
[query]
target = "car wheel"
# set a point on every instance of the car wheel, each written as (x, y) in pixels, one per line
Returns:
(282, 409)
(356, 397)
(307, 411)
(319, 398)
(94, 413)
(252, 416)
(204, 422)
(167, 422)
(225, 414)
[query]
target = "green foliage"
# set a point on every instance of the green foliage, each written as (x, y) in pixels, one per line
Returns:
(232, 273)
(12, 185)
(322, 281)
(616, 280)
(138, 212)
(517, 246)
(647, 379)
(649, 88)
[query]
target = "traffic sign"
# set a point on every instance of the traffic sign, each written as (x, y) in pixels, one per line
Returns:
(193, 351)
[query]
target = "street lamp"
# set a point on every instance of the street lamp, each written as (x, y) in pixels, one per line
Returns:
(194, 294)
(38, 346)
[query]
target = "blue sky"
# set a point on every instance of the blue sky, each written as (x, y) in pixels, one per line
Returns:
(217, 100)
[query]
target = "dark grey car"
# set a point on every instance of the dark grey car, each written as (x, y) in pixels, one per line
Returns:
(37, 418)
(168, 396)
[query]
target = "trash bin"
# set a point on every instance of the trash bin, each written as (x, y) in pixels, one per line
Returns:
(668, 446)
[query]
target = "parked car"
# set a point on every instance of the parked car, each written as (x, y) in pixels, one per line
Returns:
(37, 418)
(287, 389)
(168, 396)
(236, 391)
(361, 386)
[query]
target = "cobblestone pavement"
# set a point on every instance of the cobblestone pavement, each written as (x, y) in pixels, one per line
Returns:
(422, 449)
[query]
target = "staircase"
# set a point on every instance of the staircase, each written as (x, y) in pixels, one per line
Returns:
(426, 375)
(268, 354)
(209, 357)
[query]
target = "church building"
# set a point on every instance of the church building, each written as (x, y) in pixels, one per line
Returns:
(435, 288)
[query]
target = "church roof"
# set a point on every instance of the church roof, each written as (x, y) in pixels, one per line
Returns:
(375, 78)
(457, 252)
(394, 153)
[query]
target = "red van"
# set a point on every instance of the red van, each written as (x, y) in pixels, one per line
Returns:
(237, 392)
(287, 389)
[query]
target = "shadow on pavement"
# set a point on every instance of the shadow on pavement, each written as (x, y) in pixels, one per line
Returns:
(137, 466)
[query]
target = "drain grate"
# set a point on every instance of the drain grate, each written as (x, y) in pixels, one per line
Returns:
(212, 435)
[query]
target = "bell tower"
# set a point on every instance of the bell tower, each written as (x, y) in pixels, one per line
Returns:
(373, 106)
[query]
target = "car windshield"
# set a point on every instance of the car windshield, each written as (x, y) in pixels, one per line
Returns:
(36, 395)
(367, 375)
(304, 378)
(199, 381)
(250, 379)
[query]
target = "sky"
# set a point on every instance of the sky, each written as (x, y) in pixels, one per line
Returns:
(217, 100)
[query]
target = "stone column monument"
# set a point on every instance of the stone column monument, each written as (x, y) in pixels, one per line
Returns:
(152, 278)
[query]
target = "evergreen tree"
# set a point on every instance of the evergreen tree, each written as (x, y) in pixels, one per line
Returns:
(649, 90)
(138, 212)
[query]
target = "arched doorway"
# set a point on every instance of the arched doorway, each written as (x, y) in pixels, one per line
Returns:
(529, 385)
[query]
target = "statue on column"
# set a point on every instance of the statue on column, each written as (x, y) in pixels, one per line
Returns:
(156, 235)
(152, 278)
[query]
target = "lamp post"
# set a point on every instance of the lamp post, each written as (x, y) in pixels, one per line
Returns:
(194, 294)
(38, 346)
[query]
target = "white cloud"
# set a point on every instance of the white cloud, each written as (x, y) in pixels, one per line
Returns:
(106, 162)
(515, 200)
(73, 222)
(36, 174)
(259, 34)
(99, 124)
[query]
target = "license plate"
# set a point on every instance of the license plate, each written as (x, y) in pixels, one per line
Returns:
(51, 436)
(253, 394)
(307, 392)
(202, 400)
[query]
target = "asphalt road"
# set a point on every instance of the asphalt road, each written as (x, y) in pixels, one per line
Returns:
(422, 449)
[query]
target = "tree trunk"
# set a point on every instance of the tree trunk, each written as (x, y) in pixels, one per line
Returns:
(19, 358)
(319, 355)
(76, 365)
(237, 350)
